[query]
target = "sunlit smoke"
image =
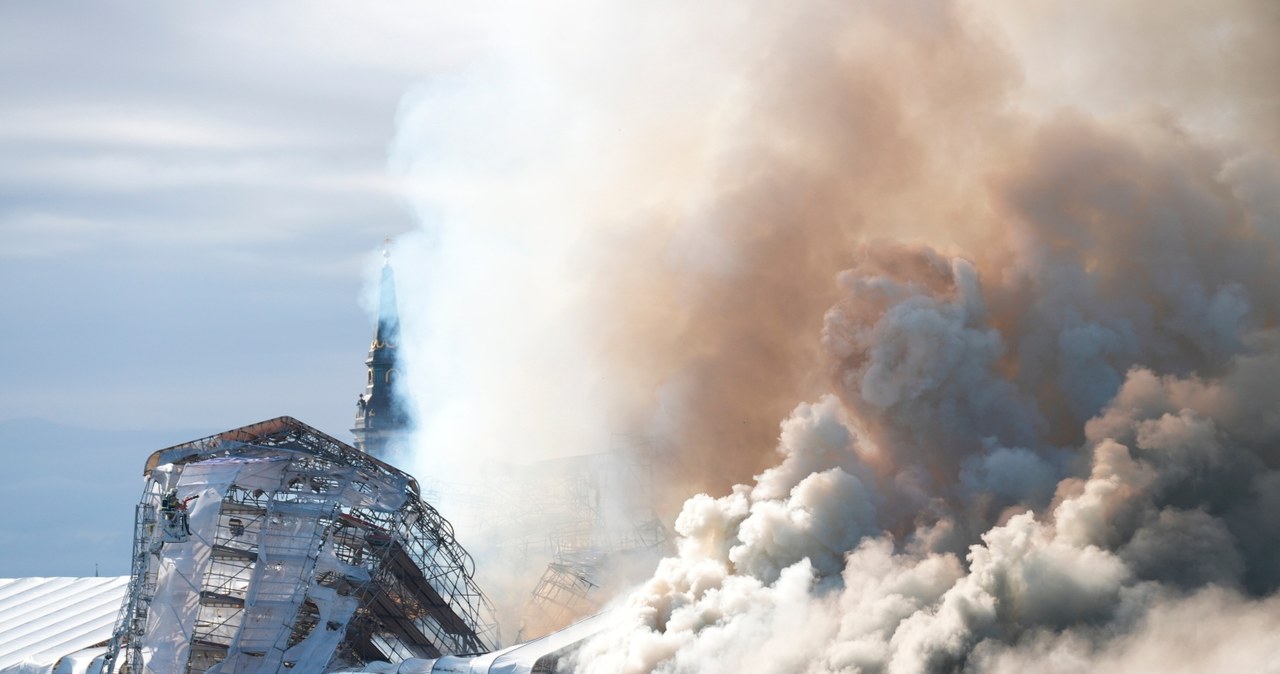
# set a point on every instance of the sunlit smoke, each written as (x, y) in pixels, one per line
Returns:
(1020, 261)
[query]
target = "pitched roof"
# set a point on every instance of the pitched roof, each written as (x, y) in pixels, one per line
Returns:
(43, 619)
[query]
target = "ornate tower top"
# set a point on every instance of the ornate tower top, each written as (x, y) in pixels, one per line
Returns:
(380, 417)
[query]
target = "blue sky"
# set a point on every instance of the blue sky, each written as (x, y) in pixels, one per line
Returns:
(191, 201)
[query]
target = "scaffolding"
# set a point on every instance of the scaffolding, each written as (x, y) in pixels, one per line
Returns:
(297, 552)
(602, 532)
(578, 526)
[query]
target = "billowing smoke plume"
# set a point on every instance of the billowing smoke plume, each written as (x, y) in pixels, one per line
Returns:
(1021, 261)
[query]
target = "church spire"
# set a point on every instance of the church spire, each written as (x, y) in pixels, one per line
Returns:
(388, 330)
(380, 418)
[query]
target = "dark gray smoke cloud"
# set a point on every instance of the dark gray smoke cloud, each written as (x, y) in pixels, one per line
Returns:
(1007, 273)
(1046, 439)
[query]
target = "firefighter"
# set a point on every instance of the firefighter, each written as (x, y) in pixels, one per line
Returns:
(175, 511)
(169, 508)
(184, 515)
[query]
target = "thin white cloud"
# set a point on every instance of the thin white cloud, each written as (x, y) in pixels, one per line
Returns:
(145, 129)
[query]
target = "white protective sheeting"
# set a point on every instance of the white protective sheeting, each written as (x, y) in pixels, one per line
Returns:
(289, 558)
(335, 610)
(182, 566)
(520, 660)
(258, 472)
(44, 619)
(88, 661)
(278, 587)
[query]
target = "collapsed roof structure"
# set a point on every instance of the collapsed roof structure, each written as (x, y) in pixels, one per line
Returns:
(275, 546)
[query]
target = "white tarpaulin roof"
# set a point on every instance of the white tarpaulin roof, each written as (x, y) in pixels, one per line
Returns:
(44, 619)
(518, 659)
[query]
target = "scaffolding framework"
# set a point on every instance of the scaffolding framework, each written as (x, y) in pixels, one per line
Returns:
(602, 531)
(298, 552)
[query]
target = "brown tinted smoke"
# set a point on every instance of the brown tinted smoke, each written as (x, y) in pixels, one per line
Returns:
(857, 121)
(1028, 289)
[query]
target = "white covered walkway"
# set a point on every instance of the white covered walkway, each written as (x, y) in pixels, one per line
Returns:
(42, 620)
(518, 659)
